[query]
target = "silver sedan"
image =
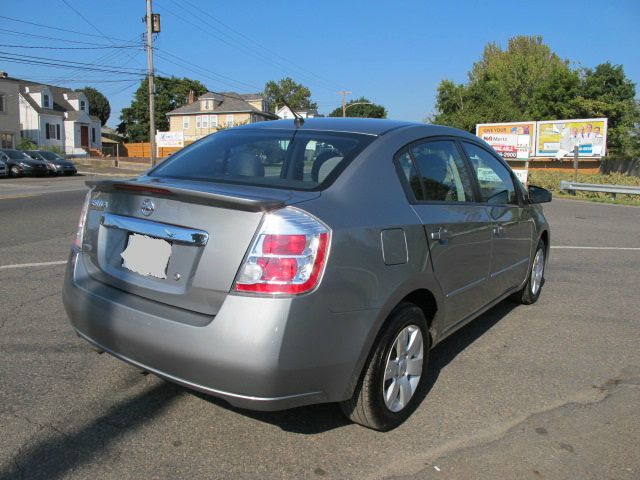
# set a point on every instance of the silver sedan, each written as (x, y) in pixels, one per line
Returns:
(285, 263)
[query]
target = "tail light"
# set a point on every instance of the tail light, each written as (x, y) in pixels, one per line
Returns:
(77, 241)
(288, 255)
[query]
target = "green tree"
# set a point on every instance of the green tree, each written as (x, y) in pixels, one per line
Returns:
(171, 93)
(98, 103)
(527, 81)
(605, 91)
(287, 90)
(364, 109)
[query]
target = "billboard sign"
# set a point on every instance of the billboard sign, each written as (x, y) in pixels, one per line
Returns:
(513, 140)
(170, 139)
(557, 138)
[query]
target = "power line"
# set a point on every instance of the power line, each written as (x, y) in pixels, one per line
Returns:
(68, 48)
(87, 21)
(217, 77)
(60, 29)
(67, 64)
(79, 42)
(247, 50)
(239, 33)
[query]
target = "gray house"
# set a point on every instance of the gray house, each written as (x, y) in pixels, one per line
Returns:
(9, 114)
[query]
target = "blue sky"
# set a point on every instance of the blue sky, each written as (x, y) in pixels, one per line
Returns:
(394, 53)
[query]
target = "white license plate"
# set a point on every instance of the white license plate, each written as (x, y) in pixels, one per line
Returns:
(146, 255)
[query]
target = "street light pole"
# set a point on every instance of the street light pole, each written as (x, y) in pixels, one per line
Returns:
(344, 102)
(152, 104)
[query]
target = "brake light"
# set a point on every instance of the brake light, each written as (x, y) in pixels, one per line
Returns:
(288, 255)
(77, 241)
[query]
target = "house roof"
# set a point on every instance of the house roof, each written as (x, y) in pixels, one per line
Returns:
(60, 104)
(227, 102)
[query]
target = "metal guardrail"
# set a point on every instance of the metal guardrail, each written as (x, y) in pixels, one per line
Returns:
(613, 190)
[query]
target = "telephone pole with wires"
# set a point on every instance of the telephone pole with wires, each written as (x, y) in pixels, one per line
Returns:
(153, 26)
(344, 101)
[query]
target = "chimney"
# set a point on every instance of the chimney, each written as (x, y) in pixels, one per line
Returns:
(192, 97)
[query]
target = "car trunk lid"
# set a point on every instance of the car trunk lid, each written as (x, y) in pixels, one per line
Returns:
(204, 227)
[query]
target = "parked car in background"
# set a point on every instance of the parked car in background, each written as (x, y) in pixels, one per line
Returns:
(326, 278)
(20, 163)
(4, 170)
(58, 165)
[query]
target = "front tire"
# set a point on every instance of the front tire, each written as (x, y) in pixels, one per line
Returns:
(531, 291)
(15, 171)
(394, 379)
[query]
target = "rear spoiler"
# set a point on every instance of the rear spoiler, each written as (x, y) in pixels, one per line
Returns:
(246, 203)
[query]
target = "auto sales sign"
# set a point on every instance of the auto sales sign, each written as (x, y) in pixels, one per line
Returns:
(514, 140)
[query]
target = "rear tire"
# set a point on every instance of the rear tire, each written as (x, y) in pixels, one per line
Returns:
(535, 281)
(393, 381)
(15, 171)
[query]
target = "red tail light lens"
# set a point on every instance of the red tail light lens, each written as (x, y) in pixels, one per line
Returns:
(284, 244)
(288, 255)
(77, 240)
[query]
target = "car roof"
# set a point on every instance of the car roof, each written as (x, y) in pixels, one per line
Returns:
(367, 126)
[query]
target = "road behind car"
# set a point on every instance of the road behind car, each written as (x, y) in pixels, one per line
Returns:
(523, 392)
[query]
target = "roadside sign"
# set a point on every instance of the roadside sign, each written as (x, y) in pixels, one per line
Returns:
(170, 139)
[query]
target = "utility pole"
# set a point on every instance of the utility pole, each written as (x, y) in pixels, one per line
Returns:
(152, 103)
(344, 102)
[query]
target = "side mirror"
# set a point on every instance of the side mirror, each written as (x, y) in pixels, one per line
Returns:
(539, 194)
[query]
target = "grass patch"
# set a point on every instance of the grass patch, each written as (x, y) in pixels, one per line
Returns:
(551, 181)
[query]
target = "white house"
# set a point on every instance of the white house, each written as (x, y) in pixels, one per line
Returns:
(285, 112)
(55, 116)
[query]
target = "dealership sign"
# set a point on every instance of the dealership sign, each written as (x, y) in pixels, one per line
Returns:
(549, 138)
(558, 138)
(170, 139)
(514, 140)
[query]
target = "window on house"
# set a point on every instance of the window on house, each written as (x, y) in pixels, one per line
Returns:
(213, 121)
(50, 129)
(45, 101)
(205, 121)
(229, 120)
(82, 105)
(58, 131)
(198, 121)
(3, 103)
(185, 123)
(93, 135)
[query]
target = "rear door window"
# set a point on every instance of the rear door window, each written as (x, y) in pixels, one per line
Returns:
(435, 172)
(279, 158)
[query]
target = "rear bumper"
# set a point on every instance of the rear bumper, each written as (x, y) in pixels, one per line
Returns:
(256, 353)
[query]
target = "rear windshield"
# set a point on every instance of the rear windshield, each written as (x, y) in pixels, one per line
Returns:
(289, 159)
(15, 154)
(49, 155)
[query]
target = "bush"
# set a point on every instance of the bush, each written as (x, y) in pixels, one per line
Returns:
(551, 181)
(26, 144)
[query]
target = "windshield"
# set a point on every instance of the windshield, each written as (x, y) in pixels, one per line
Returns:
(17, 155)
(50, 155)
(289, 159)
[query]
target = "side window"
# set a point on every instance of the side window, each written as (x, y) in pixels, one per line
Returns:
(405, 164)
(436, 173)
(496, 184)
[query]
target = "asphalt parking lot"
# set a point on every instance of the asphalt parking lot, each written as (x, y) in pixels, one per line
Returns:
(545, 391)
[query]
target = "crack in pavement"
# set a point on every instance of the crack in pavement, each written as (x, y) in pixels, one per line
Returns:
(494, 434)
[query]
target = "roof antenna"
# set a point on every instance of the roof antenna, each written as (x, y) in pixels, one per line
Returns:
(298, 119)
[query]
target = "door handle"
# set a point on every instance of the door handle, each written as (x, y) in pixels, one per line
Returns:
(498, 230)
(441, 235)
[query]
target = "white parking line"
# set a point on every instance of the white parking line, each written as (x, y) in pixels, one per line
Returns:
(568, 247)
(27, 265)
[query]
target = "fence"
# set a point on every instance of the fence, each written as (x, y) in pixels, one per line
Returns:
(143, 149)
